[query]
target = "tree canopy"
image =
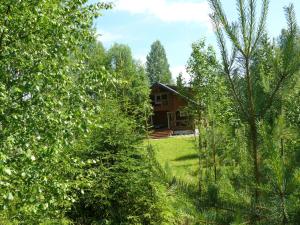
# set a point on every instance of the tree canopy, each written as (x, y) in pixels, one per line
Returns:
(157, 66)
(74, 119)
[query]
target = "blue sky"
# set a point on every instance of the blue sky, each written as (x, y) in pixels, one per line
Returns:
(176, 23)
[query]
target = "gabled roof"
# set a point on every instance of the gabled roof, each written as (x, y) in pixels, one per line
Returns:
(173, 90)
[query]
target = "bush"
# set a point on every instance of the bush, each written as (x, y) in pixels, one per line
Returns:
(114, 179)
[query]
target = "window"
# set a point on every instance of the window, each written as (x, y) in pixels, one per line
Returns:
(161, 99)
(181, 115)
(152, 99)
(181, 119)
(164, 99)
(158, 100)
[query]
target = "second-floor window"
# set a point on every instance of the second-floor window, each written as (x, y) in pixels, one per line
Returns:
(161, 99)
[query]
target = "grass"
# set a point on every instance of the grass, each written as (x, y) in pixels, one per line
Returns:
(178, 155)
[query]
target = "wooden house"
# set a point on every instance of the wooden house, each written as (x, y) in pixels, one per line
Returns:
(168, 109)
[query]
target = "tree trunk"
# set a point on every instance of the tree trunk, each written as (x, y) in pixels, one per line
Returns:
(199, 152)
(254, 150)
(214, 151)
(253, 134)
(282, 192)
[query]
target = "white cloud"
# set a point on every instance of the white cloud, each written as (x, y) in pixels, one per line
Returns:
(108, 37)
(180, 69)
(167, 11)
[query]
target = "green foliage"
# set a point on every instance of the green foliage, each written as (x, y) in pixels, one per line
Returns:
(247, 145)
(73, 117)
(180, 83)
(281, 172)
(157, 66)
(113, 181)
(68, 139)
(131, 84)
(43, 110)
(207, 83)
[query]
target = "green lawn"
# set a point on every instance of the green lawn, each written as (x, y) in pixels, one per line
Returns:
(178, 155)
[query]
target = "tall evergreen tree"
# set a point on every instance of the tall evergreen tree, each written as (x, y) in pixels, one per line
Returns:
(245, 37)
(157, 65)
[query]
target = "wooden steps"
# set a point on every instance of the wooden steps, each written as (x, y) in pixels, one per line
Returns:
(158, 134)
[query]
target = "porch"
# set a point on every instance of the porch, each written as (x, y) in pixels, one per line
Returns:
(175, 121)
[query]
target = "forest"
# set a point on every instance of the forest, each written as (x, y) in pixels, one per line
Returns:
(74, 122)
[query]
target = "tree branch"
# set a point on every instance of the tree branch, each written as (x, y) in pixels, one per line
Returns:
(251, 26)
(290, 57)
(262, 23)
(227, 68)
(241, 8)
(270, 100)
(230, 29)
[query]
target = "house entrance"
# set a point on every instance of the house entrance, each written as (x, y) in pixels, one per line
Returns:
(171, 119)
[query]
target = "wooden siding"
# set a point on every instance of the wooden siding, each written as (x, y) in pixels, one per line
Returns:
(170, 108)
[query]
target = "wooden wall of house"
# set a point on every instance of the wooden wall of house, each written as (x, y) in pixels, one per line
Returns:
(175, 101)
(175, 104)
(160, 118)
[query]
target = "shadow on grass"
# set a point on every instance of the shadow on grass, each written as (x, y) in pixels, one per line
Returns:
(186, 157)
(185, 165)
